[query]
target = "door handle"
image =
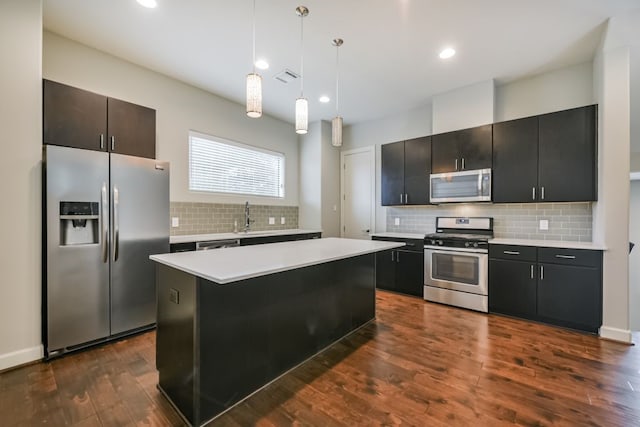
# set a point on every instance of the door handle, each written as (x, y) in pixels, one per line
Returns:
(542, 193)
(113, 143)
(397, 256)
(456, 164)
(365, 231)
(542, 272)
(463, 163)
(400, 198)
(105, 223)
(406, 198)
(532, 271)
(392, 256)
(533, 193)
(102, 141)
(116, 224)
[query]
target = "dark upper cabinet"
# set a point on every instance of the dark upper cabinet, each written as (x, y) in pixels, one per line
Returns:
(405, 170)
(567, 155)
(465, 149)
(73, 117)
(78, 118)
(131, 129)
(547, 158)
(392, 173)
(515, 160)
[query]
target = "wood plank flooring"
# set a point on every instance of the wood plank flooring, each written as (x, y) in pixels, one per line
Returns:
(419, 364)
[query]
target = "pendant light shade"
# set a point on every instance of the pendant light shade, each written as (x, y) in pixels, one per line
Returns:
(254, 81)
(302, 106)
(336, 123)
(336, 131)
(302, 115)
(254, 95)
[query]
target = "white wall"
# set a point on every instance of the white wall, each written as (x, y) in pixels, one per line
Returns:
(319, 181)
(553, 91)
(179, 108)
(20, 175)
(411, 124)
(635, 160)
(465, 107)
(634, 257)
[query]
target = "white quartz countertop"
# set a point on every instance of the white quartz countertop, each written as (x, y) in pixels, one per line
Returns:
(399, 235)
(549, 244)
(228, 265)
(241, 235)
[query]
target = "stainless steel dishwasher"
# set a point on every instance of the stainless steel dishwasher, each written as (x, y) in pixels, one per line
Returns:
(217, 244)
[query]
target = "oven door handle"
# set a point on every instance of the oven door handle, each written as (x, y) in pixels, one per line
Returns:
(444, 250)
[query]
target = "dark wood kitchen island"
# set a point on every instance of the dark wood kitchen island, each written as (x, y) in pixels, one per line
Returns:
(232, 320)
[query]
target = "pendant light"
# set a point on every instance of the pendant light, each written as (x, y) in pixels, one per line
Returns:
(254, 80)
(302, 105)
(336, 123)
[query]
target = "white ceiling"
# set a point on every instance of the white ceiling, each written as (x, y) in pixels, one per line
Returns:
(389, 61)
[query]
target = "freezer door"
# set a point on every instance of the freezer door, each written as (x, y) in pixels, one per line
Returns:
(76, 264)
(140, 227)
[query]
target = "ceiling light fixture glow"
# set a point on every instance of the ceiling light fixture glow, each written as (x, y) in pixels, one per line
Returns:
(447, 53)
(151, 4)
(262, 64)
(324, 99)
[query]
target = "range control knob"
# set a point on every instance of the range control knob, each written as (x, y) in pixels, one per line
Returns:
(466, 244)
(440, 242)
(475, 245)
(433, 242)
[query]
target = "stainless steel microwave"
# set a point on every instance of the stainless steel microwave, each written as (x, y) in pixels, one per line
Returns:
(465, 186)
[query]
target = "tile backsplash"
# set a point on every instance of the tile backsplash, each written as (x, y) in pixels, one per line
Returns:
(204, 218)
(567, 221)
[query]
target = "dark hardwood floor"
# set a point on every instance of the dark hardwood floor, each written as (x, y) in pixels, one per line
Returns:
(418, 364)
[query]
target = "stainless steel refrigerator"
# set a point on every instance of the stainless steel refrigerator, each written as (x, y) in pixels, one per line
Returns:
(104, 214)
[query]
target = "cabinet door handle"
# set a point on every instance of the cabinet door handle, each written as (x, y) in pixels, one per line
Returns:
(542, 272)
(511, 252)
(533, 193)
(566, 256)
(542, 193)
(397, 256)
(463, 163)
(113, 143)
(102, 141)
(532, 271)
(456, 164)
(406, 198)
(392, 256)
(400, 198)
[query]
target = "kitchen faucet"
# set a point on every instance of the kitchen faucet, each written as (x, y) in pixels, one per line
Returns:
(247, 218)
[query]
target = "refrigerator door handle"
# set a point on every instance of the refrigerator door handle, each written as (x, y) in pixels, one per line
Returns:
(116, 228)
(105, 224)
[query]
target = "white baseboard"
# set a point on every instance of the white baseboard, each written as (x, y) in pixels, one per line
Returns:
(20, 357)
(615, 334)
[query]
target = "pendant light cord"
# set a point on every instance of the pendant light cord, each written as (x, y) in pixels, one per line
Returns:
(254, 36)
(337, 80)
(301, 56)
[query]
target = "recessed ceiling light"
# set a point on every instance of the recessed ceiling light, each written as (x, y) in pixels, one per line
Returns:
(447, 53)
(324, 99)
(262, 64)
(148, 3)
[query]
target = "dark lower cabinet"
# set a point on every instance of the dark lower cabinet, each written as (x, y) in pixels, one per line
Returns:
(553, 285)
(512, 288)
(401, 270)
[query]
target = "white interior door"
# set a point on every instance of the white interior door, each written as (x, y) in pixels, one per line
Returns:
(358, 193)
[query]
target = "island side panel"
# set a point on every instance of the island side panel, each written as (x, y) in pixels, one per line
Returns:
(175, 338)
(254, 330)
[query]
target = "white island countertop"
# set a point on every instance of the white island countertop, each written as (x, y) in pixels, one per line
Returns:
(228, 265)
(240, 235)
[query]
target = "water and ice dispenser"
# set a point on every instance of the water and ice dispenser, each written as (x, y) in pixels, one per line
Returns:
(79, 223)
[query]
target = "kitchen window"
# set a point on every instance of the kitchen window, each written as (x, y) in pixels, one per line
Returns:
(217, 165)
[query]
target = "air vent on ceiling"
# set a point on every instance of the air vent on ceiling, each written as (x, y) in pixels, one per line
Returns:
(286, 76)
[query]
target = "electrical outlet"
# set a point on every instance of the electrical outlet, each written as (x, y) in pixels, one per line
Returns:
(544, 224)
(282, 221)
(396, 221)
(272, 220)
(175, 221)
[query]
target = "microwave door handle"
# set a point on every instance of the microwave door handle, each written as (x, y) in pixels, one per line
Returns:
(479, 184)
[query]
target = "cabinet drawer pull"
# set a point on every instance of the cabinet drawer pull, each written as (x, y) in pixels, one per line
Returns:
(566, 256)
(511, 252)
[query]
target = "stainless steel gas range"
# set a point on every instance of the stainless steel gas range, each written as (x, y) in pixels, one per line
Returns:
(456, 262)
